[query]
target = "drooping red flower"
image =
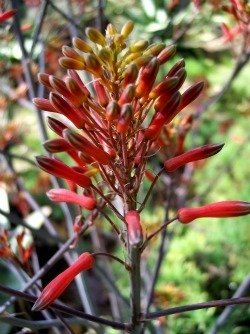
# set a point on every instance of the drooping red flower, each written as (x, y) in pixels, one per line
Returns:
(67, 196)
(195, 154)
(56, 287)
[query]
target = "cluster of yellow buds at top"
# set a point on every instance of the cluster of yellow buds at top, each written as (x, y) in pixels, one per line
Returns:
(116, 116)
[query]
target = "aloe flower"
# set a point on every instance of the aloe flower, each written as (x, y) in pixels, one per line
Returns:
(56, 287)
(214, 210)
(67, 196)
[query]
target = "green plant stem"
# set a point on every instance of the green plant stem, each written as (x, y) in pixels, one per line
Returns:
(135, 278)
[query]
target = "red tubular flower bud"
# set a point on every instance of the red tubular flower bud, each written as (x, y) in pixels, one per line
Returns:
(71, 112)
(76, 91)
(163, 116)
(180, 64)
(56, 126)
(7, 15)
(71, 53)
(125, 118)
(166, 54)
(57, 145)
(147, 78)
(190, 95)
(59, 169)
(127, 95)
(165, 87)
(56, 287)
(73, 74)
(67, 196)
(44, 104)
(60, 86)
(112, 111)
(222, 209)
(72, 64)
(130, 74)
(181, 74)
(135, 234)
(198, 153)
(101, 93)
(85, 146)
(43, 78)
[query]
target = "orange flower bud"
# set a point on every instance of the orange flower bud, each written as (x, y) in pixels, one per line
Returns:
(67, 196)
(93, 64)
(56, 287)
(127, 95)
(112, 111)
(164, 87)
(72, 64)
(135, 234)
(81, 45)
(222, 209)
(125, 118)
(95, 36)
(195, 154)
(147, 78)
(59, 169)
(130, 74)
(71, 53)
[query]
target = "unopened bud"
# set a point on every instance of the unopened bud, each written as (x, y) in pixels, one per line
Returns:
(72, 64)
(81, 45)
(95, 36)
(127, 29)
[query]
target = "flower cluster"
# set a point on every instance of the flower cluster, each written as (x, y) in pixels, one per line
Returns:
(116, 116)
(112, 111)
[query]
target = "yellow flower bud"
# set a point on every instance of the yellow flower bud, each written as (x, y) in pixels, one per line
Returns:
(127, 29)
(81, 45)
(95, 36)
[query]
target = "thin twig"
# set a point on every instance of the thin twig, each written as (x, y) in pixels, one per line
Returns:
(65, 309)
(38, 27)
(198, 306)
